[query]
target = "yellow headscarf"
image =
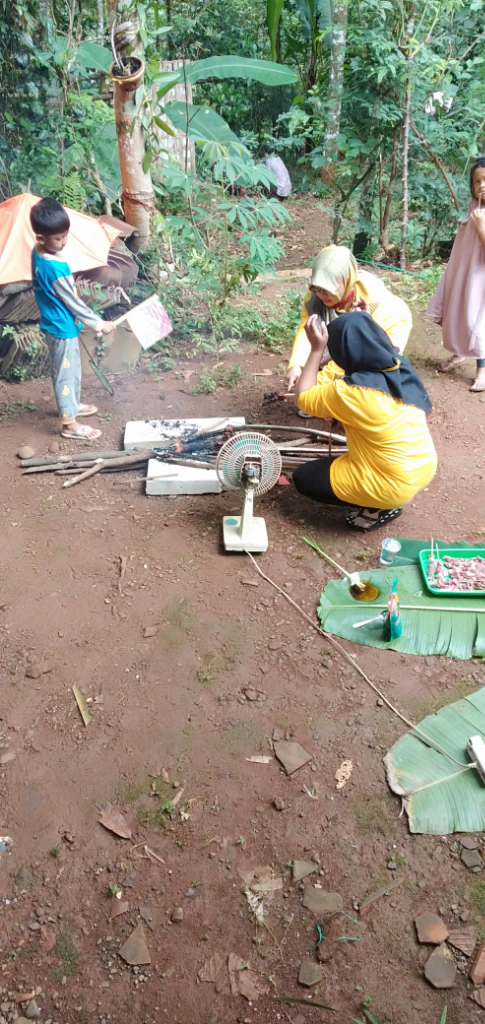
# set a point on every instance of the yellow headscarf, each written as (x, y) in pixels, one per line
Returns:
(335, 271)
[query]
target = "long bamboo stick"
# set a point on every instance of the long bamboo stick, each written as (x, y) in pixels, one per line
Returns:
(339, 438)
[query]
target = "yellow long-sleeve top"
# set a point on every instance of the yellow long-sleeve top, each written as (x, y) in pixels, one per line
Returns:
(391, 454)
(388, 310)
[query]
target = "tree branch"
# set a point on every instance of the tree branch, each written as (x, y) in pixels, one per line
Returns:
(437, 163)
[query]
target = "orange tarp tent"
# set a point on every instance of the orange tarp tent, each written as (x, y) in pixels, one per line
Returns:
(88, 245)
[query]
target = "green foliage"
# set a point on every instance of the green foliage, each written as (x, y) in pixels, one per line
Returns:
(210, 380)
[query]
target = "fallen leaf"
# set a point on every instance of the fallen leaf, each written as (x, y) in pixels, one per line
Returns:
(264, 373)
(81, 703)
(249, 582)
(150, 631)
(113, 820)
(135, 949)
(342, 775)
(94, 508)
(264, 880)
(259, 758)
(211, 969)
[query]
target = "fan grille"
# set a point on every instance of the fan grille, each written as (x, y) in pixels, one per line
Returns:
(230, 460)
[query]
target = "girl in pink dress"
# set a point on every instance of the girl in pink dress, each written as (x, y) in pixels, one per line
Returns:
(458, 304)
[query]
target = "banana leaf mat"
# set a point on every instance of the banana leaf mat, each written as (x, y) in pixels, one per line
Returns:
(440, 795)
(452, 626)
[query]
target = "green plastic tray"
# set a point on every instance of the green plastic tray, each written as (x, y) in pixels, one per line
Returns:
(464, 553)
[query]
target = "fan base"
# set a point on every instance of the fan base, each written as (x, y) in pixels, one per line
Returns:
(255, 540)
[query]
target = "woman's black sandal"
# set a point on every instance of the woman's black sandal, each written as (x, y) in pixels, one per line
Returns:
(368, 519)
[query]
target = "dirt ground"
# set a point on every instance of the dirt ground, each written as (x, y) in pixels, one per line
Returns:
(185, 708)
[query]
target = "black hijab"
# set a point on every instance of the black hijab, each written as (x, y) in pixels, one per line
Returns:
(364, 351)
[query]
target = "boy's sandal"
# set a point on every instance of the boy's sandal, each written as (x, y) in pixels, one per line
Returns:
(368, 519)
(87, 410)
(451, 364)
(82, 434)
(478, 385)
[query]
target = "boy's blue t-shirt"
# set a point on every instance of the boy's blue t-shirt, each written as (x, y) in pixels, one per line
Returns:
(54, 315)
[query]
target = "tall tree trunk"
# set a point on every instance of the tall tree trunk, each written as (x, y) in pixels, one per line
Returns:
(100, 22)
(137, 192)
(335, 89)
(385, 208)
(405, 166)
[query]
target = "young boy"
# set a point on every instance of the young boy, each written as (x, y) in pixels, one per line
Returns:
(60, 312)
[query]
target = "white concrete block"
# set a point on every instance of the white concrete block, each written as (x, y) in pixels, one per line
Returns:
(140, 435)
(165, 478)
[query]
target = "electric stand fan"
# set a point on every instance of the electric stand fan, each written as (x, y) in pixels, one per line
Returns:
(253, 462)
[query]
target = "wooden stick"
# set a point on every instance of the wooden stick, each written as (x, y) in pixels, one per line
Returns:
(296, 430)
(48, 460)
(84, 476)
(44, 469)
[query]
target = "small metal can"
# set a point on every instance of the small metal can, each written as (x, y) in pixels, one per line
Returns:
(389, 549)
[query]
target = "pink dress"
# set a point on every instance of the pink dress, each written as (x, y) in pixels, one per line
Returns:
(458, 303)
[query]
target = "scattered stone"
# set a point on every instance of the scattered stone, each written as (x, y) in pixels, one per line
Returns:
(278, 735)
(319, 902)
(464, 939)
(302, 868)
(7, 757)
(309, 974)
(178, 915)
(291, 755)
(327, 662)
(118, 909)
(33, 1011)
(478, 997)
(465, 915)
(477, 973)
(149, 631)
(34, 926)
(431, 928)
(471, 859)
(149, 916)
(440, 968)
(135, 949)
(250, 694)
(54, 448)
(25, 452)
(211, 969)
(279, 803)
(468, 843)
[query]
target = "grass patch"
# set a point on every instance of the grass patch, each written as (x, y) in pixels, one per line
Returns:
(68, 954)
(376, 815)
(9, 409)
(476, 897)
(179, 615)
(129, 792)
(210, 380)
